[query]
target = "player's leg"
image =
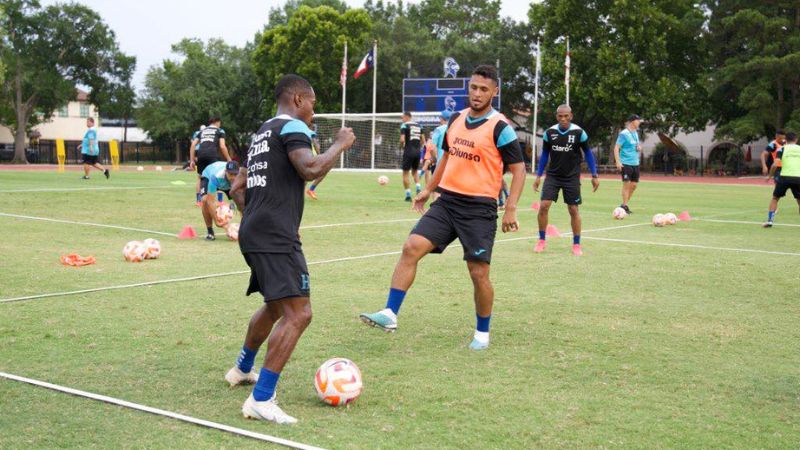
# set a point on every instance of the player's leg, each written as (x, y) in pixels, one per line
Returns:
(85, 171)
(311, 191)
(407, 166)
(484, 301)
(778, 193)
(572, 197)
(208, 208)
(258, 330)
(549, 195)
(100, 167)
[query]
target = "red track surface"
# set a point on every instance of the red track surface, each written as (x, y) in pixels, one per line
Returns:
(70, 167)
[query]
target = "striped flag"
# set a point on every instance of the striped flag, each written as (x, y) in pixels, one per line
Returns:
(366, 64)
(343, 75)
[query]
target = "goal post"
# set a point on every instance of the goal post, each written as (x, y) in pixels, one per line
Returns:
(379, 152)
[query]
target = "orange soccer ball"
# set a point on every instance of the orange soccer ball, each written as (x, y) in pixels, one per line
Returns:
(338, 382)
(153, 248)
(232, 231)
(224, 215)
(134, 251)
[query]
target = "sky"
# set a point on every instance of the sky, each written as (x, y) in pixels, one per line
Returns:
(148, 28)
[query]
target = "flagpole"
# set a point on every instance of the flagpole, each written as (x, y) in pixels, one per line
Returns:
(344, 97)
(374, 96)
(569, 62)
(536, 105)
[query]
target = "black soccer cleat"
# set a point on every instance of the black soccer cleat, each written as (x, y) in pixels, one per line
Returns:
(210, 237)
(627, 210)
(106, 173)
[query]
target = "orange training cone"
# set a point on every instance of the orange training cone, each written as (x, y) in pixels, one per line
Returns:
(187, 233)
(551, 230)
(685, 217)
(535, 205)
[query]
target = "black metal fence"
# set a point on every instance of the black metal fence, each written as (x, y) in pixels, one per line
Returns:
(44, 152)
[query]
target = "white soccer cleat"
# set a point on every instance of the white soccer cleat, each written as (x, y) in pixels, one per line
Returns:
(236, 377)
(267, 410)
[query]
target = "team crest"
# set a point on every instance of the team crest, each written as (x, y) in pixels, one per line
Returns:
(451, 68)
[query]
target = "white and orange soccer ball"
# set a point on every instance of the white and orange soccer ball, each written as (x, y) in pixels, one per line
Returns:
(134, 251)
(232, 231)
(671, 218)
(619, 213)
(224, 214)
(338, 382)
(153, 248)
(383, 180)
(659, 220)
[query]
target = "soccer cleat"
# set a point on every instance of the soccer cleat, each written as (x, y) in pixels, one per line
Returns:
(627, 210)
(576, 250)
(266, 410)
(85, 177)
(311, 194)
(540, 246)
(408, 197)
(767, 224)
(236, 377)
(210, 237)
(198, 203)
(107, 174)
(478, 345)
(380, 320)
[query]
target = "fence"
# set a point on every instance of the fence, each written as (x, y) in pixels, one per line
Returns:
(44, 152)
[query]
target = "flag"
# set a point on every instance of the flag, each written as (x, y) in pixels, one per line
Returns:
(566, 66)
(366, 64)
(749, 155)
(343, 75)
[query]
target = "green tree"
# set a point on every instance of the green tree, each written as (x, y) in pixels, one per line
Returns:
(755, 78)
(47, 52)
(311, 44)
(628, 56)
(117, 94)
(211, 79)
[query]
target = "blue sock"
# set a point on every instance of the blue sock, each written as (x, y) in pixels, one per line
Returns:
(542, 235)
(312, 188)
(483, 323)
(219, 196)
(576, 239)
(505, 191)
(265, 387)
(245, 360)
(771, 216)
(395, 300)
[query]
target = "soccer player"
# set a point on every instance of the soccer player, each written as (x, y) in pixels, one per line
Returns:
(216, 177)
(627, 153)
(769, 153)
(410, 135)
(90, 150)
(195, 144)
(211, 143)
(279, 162)
(562, 147)
(428, 161)
(787, 164)
(476, 145)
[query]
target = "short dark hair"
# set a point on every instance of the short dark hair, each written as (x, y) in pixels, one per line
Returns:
(407, 114)
(780, 133)
(487, 71)
(791, 136)
(214, 119)
(291, 84)
(90, 119)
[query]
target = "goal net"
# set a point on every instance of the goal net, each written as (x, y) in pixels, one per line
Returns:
(381, 151)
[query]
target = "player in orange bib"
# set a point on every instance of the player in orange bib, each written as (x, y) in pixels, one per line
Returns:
(476, 144)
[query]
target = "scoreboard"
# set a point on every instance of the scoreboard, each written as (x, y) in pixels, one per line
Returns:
(438, 94)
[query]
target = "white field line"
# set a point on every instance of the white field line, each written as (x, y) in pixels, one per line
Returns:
(101, 225)
(160, 412)
(110, 188)
(744, 222)
(702, 247)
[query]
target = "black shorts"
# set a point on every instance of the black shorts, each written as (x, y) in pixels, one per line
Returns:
(781, 186)
(90, 159)
(278, 275)
(630, 173)
(570, 187)
(432, 168)
(410, 160)
(204, 188)
(474, 223)
(205, 161)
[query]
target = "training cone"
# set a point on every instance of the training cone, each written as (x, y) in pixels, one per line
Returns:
(187, 233)
(552, 231)
(685, 217)
(535, 205)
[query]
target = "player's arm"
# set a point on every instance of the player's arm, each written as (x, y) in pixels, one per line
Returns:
(403, 131)
(774, 167)
(192, 146)
(511, 153)
(238, 188)
(764, 154)
(616, 157)
(311, 167)
(590, 161)
(542, 162)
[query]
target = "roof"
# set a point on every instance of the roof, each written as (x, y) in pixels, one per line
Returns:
(81, 95)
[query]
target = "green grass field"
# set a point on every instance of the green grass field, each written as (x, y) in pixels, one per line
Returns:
(635, 345)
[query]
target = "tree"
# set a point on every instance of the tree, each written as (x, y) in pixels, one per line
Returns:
(311, 44)
(212, 79)
(634, 56)
(754, 82)
(117, 94)
(47, 52)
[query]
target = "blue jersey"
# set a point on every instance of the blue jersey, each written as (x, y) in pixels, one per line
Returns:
(86, 149)
(438, 139)
(217, 181)
(628, 142)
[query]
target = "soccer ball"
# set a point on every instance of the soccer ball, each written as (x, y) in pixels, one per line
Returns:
(672, 219)
(224, 214)
(383, 180)
(159, 168)
(134, 251)
(232, 231)
(619, 213)
(140, 168)
(659, 220)
(153, 248)
(338, 382)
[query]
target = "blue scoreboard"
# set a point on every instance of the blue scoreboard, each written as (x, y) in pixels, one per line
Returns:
(438, 94)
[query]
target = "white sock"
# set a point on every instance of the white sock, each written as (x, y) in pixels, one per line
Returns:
(482, 336)
(390, 313)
